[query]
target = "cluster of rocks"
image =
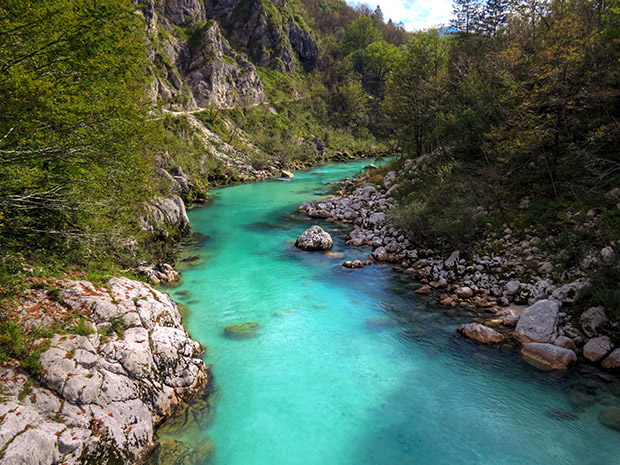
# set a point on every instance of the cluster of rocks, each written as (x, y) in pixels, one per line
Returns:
(123, 366)
(166, 218)
(158, 274)
(490, 284)
(181, 184)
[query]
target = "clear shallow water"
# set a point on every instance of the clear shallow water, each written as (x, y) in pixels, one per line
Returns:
(351, 367)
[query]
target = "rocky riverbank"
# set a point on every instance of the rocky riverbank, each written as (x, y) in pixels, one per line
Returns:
(490, 283)
(115, 361)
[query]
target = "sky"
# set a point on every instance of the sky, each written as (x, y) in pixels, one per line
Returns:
(415, 14)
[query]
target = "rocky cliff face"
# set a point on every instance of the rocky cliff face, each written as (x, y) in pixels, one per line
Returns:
(218, 76)
(100, 396)
(195, 66)
(275, 36)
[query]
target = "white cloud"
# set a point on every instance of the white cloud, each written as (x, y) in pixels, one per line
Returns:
(415, 14)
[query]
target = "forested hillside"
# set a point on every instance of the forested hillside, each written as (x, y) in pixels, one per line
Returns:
(516, 108)
(517, 103)
(109, 106)
(503, 188)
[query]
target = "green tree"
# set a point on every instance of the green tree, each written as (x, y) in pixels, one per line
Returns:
(73, 156)
(359, 34)
(466, 16)
(416, 92)
(349, 105)
(375, 63)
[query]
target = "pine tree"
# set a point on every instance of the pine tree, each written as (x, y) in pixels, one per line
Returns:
(378, 14)
(466, 15)
(495, 16)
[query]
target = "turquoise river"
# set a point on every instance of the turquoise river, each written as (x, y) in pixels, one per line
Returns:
(352, 367)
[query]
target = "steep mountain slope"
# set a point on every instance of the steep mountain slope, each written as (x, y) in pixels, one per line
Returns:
(193, 63)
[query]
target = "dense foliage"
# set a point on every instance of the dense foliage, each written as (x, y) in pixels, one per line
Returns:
(515, 107)
(520, 108)
(359, 50)
(74, 166)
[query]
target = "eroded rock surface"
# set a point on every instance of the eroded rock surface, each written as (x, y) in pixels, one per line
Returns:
(102, 392)
(220, 77)
(165, 214)
(314, 238)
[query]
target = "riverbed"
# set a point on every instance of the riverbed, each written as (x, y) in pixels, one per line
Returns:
(351, 366)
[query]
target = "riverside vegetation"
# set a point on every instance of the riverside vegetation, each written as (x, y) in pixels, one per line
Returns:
(117, 113)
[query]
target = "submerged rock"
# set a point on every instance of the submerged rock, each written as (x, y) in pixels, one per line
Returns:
(538, 323)
(548, 356)
(173, 452)
(334, 254)
(314, 238)
(480, 333)
(610, 418)
(285, 312)
(242, 331)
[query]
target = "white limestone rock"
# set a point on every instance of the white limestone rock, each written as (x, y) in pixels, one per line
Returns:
(538, 323)
(97, 394)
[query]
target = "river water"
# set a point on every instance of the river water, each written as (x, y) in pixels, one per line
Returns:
(352, 367)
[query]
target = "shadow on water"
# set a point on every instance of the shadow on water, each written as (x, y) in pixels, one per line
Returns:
(182, 440)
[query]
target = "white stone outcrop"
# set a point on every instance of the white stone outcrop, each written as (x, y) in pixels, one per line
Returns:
(99, 395)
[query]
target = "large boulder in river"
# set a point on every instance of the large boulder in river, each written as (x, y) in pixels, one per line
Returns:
(539, 323)
(548, 356)
(314, 238)
(480, 333)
